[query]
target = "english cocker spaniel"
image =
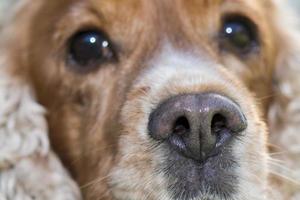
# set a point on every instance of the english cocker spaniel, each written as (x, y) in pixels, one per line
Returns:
(153, 100)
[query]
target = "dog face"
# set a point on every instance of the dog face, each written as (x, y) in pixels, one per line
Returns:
(155, 99)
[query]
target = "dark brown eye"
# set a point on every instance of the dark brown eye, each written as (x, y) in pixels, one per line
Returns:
(239, 34)
(90, 49)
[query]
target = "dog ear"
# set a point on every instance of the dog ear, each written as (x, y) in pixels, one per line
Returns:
(284, 116)
(28, 167)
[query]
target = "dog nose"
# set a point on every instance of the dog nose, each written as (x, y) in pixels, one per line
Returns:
(197, 125)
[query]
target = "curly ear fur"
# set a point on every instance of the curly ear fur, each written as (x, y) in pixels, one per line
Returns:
(28, 167)
(24, 145)
(284, 118)
(6, 5)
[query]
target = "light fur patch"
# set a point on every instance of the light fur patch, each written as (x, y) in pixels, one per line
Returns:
(284, 115)
(172, 73)
(28, 167)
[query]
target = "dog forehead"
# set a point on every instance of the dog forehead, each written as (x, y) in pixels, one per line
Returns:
(125, 7)
(167, 5)
(163, 13)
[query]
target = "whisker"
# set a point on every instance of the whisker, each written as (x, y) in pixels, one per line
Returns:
(266, 97)
(271, 145)
(280, 175)
(283, 167)
(270, 160)
(278, 153)
(94, 182)
(285, 178)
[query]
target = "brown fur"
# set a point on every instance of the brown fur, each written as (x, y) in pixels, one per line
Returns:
(84, 110)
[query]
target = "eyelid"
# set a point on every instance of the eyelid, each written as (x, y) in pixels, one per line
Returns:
(236, 18)
(95, 63)
(243, 18)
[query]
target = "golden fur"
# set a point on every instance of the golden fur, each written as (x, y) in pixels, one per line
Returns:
(98, 121)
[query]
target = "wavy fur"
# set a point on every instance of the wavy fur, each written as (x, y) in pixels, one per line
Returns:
(284, 114)
(26, 157)
(28, 167)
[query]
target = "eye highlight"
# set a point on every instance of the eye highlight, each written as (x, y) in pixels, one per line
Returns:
(239, 35)
(89, 49)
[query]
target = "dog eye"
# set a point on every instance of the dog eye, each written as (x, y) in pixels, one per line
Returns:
(89, 49)
(238, 34)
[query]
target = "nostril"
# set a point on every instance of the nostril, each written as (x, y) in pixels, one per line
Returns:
(181, 129)
(221, 129)
(218, 124)
(181, 126)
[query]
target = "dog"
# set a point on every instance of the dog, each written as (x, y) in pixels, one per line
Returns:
(156, 100)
